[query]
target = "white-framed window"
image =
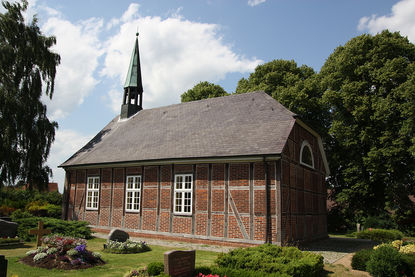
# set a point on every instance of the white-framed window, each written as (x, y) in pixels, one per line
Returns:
(306, 155)
(92, 193)
(132, 193)
(183, 184)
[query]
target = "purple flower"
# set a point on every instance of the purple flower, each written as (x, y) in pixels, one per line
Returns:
(76, 261)
(80, 248)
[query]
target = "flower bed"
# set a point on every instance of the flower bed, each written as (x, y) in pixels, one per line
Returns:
(127, 247)
(63, 253)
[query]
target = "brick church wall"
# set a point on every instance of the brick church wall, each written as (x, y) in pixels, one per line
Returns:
(228, 201)
(303, 193)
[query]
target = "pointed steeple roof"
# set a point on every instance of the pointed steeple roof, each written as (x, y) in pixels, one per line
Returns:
(134, 70)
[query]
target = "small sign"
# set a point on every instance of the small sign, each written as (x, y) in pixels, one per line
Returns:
(180, 263)
(39, 232)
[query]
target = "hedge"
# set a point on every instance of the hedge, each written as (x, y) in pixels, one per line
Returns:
(78, 229)
(270, 259)
(360, 259)
(380, 235)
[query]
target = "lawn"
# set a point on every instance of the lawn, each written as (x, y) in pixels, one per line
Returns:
(117, 264)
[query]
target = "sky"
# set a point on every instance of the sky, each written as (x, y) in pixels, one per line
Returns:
(184, 42)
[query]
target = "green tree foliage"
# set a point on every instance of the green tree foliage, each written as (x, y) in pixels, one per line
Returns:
(297, 88)
(27, 69)
(203, 90)
(370, 88)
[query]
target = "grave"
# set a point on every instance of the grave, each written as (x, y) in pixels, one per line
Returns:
(118, 235)
(39, 232)
(179, 263)
(3, 266)
(8, 229)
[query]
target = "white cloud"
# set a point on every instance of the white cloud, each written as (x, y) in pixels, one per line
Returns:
(67, 142)
(79, 48)
(175, 55)
(253, 3)
(402, 19)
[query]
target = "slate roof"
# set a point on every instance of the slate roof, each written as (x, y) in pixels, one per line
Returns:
(236, 125)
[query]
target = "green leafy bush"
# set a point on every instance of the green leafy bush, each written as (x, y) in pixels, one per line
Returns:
(385, 261)
(66, 228)
(233, 272)
(408, 264)
(380, 235)
(19, 213)
(270, 258)
(360, 259)
(44, 209)
(155, 268)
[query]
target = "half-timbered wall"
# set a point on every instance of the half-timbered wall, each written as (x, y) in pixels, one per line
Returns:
(229, 201)
(303, 191)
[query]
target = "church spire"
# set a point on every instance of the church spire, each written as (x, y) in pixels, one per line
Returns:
(133, 87)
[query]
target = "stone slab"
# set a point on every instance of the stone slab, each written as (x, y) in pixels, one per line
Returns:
(118, 235)
(3, 266)
(8, 229)
(179, 263)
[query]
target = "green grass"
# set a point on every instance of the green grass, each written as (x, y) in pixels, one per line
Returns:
(117, 264)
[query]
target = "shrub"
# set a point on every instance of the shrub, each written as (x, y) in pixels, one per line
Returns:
(383, 221)
(126, 247)
(408, 264)
(384, 261)
(360, 259)
(270, 258)
(233, 272)
(408, 249)
(57, 226)
(155, 268)
(380, 235)
(19, 213)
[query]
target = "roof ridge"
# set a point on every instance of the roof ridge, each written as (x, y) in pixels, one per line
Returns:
(212, 99)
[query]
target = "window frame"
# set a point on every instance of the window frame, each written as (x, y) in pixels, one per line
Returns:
(93, 190)
(303, 145)
(133, 190)
(183, 192)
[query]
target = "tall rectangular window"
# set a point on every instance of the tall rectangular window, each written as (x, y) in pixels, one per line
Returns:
(183, 194)
(92, 193)
(132, 193)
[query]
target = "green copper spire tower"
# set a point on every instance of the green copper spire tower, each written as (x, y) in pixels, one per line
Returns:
(133, 87)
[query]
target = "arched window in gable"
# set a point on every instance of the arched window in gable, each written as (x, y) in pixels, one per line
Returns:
(306, 155)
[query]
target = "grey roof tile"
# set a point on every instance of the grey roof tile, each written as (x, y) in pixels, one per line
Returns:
(236, 125)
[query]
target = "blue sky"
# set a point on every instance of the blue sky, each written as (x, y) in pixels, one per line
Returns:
(183, 42)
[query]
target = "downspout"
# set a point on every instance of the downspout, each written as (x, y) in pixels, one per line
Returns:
(267, 204)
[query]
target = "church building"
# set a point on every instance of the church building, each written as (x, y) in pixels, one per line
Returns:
(233, 170)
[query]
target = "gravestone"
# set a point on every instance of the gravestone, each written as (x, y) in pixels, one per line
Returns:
(3, 266)
(39, 232)
(179, 263)
(8, 229)
(118, 235)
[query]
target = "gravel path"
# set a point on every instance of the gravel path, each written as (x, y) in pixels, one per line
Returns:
(332, 249)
